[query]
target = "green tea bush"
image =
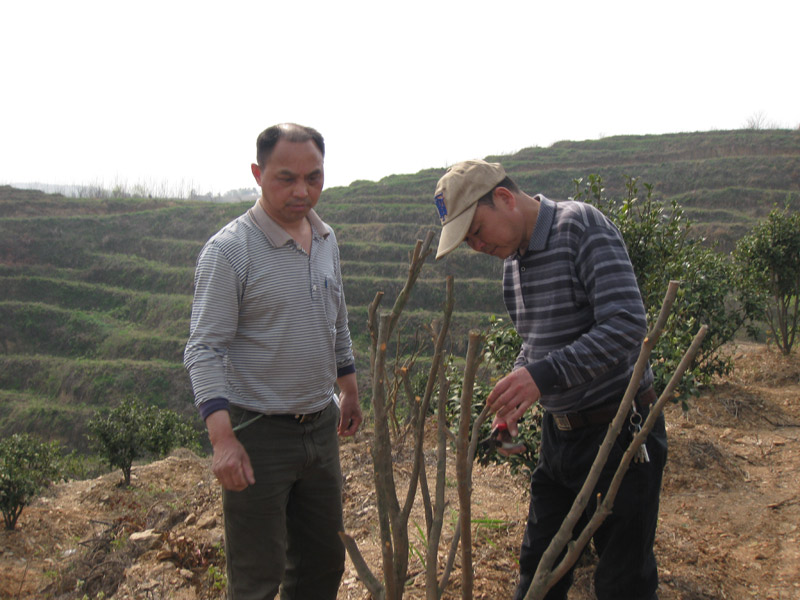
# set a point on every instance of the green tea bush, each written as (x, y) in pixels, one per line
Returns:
(661, 249)
(133, 430)
(27, 465)
(768, 262)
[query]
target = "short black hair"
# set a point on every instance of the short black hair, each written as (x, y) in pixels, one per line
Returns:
(488, 197)
(291, 132)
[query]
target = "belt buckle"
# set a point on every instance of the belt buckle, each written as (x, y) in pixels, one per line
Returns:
(308, 417)
(647, 397)
(562, 422)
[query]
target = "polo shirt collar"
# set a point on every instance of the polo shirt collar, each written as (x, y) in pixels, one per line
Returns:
(276, 234)
(541, 231)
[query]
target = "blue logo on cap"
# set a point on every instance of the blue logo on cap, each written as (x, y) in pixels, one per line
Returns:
(440, 206)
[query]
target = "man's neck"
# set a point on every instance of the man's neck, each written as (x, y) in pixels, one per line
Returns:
(301, 233)
(530, 212)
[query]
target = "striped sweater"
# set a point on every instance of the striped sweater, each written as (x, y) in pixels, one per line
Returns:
(269, 326)
(574, 300)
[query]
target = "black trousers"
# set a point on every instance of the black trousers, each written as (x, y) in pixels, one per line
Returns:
(281, 534)
(624, 542)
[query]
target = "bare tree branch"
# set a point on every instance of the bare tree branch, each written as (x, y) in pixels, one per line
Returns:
(433, 591)
(370, 581)
(463, 468)
(437, 360)
(394, 521)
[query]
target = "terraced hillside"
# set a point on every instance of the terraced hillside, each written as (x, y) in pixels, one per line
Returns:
(96, 294)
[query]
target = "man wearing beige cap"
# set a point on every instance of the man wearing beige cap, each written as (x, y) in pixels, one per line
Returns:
(571, 293)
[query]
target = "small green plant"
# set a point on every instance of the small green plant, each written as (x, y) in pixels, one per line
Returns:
(219, 580)
(423, 539)
(132, 430)
(27, 465)
(218, 576)
(484, 527)
(119, 541)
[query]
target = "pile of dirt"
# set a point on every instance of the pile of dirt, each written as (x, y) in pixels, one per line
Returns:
(728, 524)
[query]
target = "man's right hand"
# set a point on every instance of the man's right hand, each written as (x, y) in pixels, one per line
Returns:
(511, 397)
(231, 464)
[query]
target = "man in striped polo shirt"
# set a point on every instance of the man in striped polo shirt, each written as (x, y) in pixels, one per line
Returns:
(571, 293)
(268, 341)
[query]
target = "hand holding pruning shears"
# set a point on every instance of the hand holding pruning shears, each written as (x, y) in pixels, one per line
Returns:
(511, 397)
(501, 441)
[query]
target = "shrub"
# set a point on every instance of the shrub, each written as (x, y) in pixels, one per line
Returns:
(132, 430)
(658, 242)
(26, 467)
(768, 262)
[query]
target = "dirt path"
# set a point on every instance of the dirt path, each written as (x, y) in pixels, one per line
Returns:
(731, 501)
(729, 521)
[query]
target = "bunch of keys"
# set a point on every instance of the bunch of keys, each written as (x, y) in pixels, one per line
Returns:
(635, 427)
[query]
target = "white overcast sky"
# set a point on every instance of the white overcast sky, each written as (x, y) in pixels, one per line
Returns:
(173, 93)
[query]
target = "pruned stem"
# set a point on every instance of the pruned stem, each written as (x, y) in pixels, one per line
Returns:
(370, 581)
(463, 468)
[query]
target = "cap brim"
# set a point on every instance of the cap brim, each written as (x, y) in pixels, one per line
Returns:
(454, 231)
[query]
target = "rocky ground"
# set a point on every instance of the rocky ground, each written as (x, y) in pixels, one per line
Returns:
(728, 526)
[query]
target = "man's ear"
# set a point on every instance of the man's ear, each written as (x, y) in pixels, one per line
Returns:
(256, 171)
(505, 196)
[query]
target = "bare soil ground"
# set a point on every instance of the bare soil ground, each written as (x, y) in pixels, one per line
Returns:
(728, 525)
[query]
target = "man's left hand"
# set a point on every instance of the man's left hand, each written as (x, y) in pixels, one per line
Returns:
(348, 405)
(350, 415)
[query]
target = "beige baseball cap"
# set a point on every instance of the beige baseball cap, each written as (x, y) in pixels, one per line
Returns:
(457, 195)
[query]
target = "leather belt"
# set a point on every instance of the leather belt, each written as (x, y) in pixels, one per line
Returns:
(599, 416)
(586, 418)
(306, 418)
(647, 397)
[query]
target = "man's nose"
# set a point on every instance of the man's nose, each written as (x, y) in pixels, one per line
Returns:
(474, 243)
(300, 189)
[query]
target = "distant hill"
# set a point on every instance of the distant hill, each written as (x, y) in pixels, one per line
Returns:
(96, 293)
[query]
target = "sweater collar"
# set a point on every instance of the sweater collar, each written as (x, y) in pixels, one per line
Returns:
(544, 220)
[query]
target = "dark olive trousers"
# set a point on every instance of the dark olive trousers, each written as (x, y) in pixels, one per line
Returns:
(281, 534)
(624, 542)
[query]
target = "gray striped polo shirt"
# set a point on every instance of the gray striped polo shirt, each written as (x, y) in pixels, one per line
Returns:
(269, 326)
(574, 300)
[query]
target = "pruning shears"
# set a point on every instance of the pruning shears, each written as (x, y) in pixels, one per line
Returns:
(500, 440)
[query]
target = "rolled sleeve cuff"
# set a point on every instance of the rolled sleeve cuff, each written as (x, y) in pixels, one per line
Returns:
(212, 406)
(544, 375)
(346, 370)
